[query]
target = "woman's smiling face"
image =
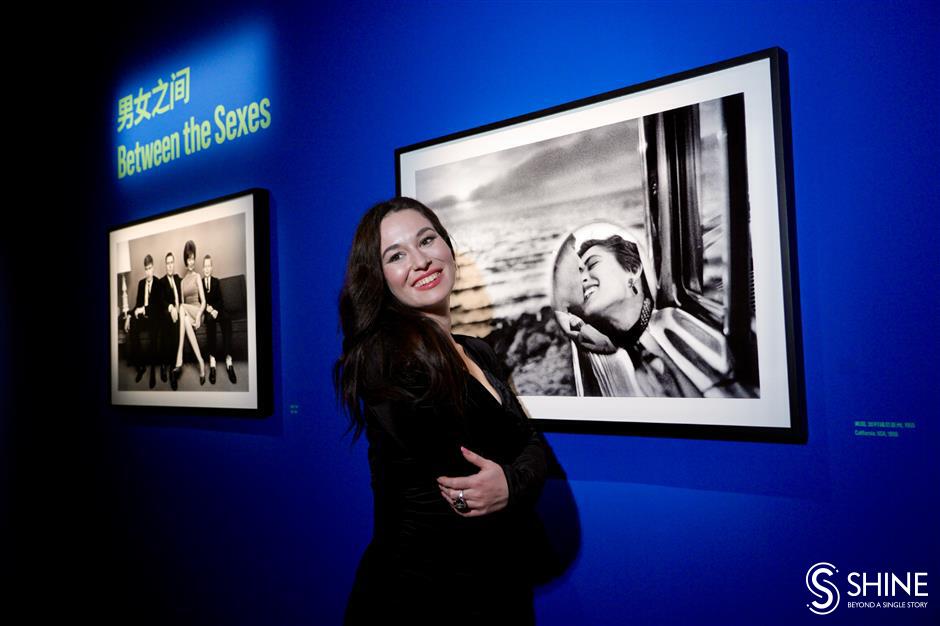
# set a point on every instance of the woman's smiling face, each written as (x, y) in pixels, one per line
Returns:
(607, 294)
(418, 265)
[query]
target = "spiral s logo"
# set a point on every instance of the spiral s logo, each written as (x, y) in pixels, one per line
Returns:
(824, 588)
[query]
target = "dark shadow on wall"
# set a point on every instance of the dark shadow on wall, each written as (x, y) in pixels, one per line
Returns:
(559, 542)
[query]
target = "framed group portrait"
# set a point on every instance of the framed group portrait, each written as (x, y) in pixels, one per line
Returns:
(630, 256)
(189, 308)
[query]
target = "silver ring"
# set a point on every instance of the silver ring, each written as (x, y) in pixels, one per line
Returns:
(459, 503)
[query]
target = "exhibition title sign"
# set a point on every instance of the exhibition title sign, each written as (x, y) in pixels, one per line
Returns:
(191, 108)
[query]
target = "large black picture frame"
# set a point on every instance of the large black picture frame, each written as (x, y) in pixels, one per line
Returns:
(691, 174)
(234, 230)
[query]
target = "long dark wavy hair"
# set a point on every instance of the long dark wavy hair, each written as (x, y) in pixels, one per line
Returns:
(391, 351)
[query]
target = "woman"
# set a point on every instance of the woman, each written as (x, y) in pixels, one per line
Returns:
(613, 323)
(191, 310)
(456, 465)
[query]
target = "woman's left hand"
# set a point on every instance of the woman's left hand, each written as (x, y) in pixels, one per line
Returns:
(584, 334)
(485, 492)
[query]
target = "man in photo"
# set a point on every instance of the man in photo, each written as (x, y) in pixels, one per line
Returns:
(172, 289)
(144, 317)
(216, 316)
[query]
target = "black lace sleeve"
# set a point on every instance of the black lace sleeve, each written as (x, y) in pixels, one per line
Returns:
(422, 434)
(526, 475)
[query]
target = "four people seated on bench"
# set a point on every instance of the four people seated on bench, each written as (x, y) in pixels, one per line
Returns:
(170, 310)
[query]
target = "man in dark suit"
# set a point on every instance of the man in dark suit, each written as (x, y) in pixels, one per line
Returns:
(144, 317)
(216, 316)
(172, 289)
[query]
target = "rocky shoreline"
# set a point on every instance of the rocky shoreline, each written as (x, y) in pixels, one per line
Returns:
(533, 349)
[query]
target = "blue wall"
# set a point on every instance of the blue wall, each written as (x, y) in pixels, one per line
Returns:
(236, 521)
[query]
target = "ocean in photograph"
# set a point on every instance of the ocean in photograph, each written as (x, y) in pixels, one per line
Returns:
(505, 255)
(503, 291)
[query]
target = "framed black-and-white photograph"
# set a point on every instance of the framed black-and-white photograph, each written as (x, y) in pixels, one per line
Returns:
(630, 256)
(190, 310)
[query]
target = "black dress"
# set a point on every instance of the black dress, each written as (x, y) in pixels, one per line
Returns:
(427, 563)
